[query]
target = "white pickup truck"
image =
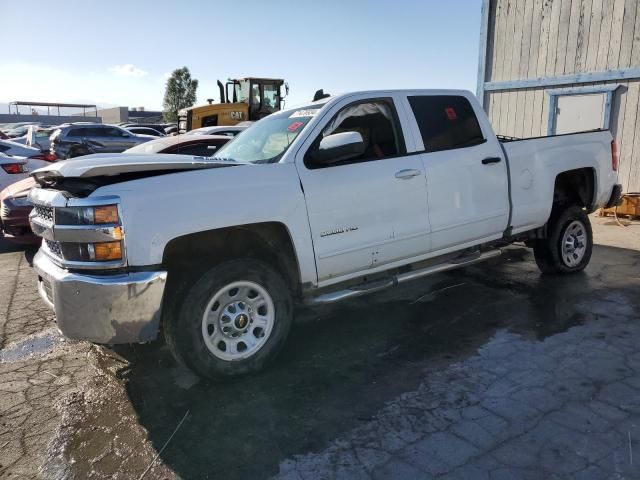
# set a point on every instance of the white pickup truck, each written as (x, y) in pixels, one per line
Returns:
(338, 198)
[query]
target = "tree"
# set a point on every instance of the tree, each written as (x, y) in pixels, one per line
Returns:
(180, 93)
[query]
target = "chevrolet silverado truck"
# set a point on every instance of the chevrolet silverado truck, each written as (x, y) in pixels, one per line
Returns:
(338, 198)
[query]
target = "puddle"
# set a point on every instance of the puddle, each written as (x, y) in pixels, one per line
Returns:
(30, 347)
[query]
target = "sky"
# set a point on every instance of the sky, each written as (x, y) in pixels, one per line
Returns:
(120, 53)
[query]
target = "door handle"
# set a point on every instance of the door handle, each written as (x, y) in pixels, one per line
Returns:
(408, 173)
(488, 160)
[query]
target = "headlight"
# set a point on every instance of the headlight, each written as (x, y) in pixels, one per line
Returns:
(104, 214)
(91, 252)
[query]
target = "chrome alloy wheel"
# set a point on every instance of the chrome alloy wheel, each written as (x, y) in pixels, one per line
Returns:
(238, 320)
(574, 244)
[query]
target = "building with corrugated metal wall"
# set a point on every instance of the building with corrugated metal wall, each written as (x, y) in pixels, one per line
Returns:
(558, 66)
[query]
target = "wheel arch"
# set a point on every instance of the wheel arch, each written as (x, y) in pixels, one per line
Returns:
(575, 187)
(270, 242)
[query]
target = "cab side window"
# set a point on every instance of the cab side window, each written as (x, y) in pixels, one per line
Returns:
(375, 120)
(446, 122)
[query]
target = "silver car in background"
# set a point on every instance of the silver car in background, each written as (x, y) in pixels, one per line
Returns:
(76, 139)
(226, 130)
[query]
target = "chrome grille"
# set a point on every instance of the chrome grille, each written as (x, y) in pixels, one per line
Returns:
(54, 247)
(44, 212)
(4, 210)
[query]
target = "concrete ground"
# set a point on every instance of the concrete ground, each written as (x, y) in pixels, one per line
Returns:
(488, 372)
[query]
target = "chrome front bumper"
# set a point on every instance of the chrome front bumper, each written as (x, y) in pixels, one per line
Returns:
(120, 308)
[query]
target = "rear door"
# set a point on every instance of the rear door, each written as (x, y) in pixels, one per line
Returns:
(118, 139)
(467, 179)
(97, 139)
(369, 211)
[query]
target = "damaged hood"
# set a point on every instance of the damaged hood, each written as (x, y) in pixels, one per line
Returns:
(101, 165)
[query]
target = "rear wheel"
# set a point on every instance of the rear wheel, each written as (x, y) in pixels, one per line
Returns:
(569, 244)
(233, 320)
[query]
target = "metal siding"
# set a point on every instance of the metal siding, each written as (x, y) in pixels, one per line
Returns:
(572, 39)
(532, 39)
(594, 36)
(604, 39)
(582, 41)
(630, 172)
(563, 37)
(554, 33)
(613, 58)
(628, 29)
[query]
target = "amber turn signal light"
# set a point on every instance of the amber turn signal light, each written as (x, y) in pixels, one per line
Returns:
(105, 214)
(108, 251)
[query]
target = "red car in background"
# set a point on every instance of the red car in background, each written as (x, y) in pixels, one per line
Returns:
(14, 212)
(15, 208)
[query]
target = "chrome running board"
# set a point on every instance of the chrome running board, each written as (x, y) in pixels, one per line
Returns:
(370, 287)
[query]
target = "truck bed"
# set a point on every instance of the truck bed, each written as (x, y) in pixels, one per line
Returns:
(534, 163)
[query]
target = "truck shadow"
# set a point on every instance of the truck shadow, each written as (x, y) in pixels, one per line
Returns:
(341, 364)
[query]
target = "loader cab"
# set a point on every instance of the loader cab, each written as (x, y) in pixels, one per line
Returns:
(241, 99)
(262, 95)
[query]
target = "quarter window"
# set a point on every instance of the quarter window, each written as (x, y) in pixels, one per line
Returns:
(114, 132)
(446, 122)
(77, 132)
(95, 132)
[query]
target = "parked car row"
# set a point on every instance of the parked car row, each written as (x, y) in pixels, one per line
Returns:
(76, 139)
(15, 207)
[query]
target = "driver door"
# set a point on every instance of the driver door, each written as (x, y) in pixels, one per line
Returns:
(369, 211)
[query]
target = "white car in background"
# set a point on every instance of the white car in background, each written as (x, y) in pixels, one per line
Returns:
(144, 131)
(15, 149)
(36, 137)
(12, 169)
(17, 161)
(228, 130)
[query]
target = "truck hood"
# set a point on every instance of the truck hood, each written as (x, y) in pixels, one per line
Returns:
(81, 176)
(98, 165)
(114, 164)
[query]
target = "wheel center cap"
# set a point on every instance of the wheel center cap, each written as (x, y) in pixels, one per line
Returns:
(241, 321)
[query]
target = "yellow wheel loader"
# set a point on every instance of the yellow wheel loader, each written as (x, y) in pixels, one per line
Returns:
(241, 100)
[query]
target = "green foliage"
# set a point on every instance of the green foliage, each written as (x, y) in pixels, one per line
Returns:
(180, 93)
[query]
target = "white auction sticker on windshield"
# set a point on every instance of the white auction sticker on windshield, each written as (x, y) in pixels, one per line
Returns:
(304, 113)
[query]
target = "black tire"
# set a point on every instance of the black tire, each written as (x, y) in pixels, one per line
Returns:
(183, 331)
(548, 251)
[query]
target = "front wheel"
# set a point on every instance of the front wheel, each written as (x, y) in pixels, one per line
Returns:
(233, 320)
(569, 244)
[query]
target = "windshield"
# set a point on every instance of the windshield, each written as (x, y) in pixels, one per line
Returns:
(267, 140)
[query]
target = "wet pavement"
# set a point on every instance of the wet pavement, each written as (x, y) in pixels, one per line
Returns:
(488, 372)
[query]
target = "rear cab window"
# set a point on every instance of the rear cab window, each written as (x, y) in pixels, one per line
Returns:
(446, 122)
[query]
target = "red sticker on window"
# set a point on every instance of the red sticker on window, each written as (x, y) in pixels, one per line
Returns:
(295, 126)
(451, 113)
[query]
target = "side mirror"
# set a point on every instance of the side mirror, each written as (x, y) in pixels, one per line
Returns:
(338, 147)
